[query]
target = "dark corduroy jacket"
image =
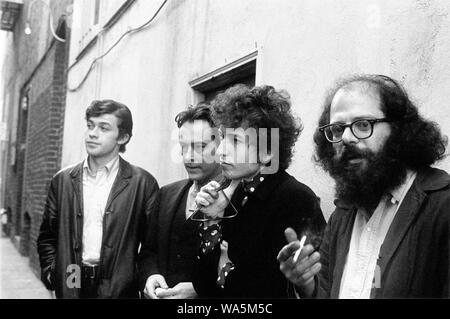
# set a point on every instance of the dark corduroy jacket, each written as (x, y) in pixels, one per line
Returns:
(60, 242)
(414, 257)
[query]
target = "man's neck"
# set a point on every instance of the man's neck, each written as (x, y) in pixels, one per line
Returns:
(95, 163)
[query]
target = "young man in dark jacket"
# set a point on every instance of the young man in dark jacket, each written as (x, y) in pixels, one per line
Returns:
(243, 226)
(96, 212)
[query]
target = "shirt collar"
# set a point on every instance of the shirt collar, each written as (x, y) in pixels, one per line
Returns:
(399, 193)
(395, 197)
(110, 166)
(251, 185)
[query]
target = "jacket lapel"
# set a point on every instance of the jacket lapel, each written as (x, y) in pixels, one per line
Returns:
(121, 182)
(167, 211)
(170, 208)
(342, 247)
(77, 183)
(402, 221)
(427, 180)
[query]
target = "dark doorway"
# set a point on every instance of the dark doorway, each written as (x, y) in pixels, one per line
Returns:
(25, 235)
(19, 165)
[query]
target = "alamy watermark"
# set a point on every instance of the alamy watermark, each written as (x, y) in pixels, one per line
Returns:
(232, 145)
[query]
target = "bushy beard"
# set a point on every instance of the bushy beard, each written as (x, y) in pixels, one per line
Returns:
(364, 183)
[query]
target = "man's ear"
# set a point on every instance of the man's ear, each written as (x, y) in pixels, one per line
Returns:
(123, 139)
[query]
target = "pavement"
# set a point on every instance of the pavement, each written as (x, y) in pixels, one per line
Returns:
(17, 280)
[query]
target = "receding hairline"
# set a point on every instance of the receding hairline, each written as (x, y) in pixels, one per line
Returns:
(363, 86)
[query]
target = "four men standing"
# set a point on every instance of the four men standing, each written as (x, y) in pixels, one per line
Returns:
(221, 232)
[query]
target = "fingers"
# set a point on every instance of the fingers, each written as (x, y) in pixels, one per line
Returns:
(154, 283)
(309, 274)
(149, 293)
(162, 283)
(306, 277)
(207, 195)
(224, 245)
(307, 263)
(306, 251)
(290, 235)
(166, 293)
(149, 290)
(303, 271)
(210, 189)
(204, 199)
(287, 251)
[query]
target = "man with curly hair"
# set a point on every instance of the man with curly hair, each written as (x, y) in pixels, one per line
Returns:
(243, 225)
(389, 234)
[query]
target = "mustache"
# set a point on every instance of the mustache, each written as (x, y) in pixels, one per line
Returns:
(351, 152)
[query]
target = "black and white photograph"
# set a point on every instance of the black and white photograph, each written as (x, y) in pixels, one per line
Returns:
(227, 155)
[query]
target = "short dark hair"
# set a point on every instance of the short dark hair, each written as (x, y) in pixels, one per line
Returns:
(416, 142)
(201, 111)
(259, 107)
(121, 111)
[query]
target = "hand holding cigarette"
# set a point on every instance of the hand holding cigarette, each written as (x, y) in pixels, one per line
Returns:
(297, 253)
(299, 263)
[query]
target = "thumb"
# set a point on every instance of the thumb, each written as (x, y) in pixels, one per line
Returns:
(290, 235)
(162, 283)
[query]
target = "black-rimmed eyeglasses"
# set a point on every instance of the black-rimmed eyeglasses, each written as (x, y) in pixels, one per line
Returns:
(361, 129)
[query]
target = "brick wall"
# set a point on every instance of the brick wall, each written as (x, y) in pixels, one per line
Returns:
(45, 79)
(45, 144)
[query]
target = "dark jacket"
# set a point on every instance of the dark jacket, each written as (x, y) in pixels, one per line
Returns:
(414, 257)
(255, 237)
(154, 255)
(60, 240)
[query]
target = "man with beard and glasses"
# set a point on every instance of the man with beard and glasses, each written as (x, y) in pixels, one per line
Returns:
(389, 234)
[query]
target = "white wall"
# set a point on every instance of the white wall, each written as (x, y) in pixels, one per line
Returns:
(303, 47)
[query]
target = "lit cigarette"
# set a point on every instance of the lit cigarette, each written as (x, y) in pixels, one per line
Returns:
(297, 253)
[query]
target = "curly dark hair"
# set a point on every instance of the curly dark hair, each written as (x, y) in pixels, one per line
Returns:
(259, 107)
(415, 141)
(201, 111)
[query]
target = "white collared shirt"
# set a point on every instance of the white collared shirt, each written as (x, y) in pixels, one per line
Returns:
(367, 237)
(190, 202)
(96, 189)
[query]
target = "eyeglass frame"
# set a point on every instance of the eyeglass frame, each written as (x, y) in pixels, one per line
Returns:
(372, 123)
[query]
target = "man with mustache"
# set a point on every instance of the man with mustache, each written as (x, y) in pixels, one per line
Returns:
(243, 230)
(95, 215)
(389, 234)
(167, 258)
